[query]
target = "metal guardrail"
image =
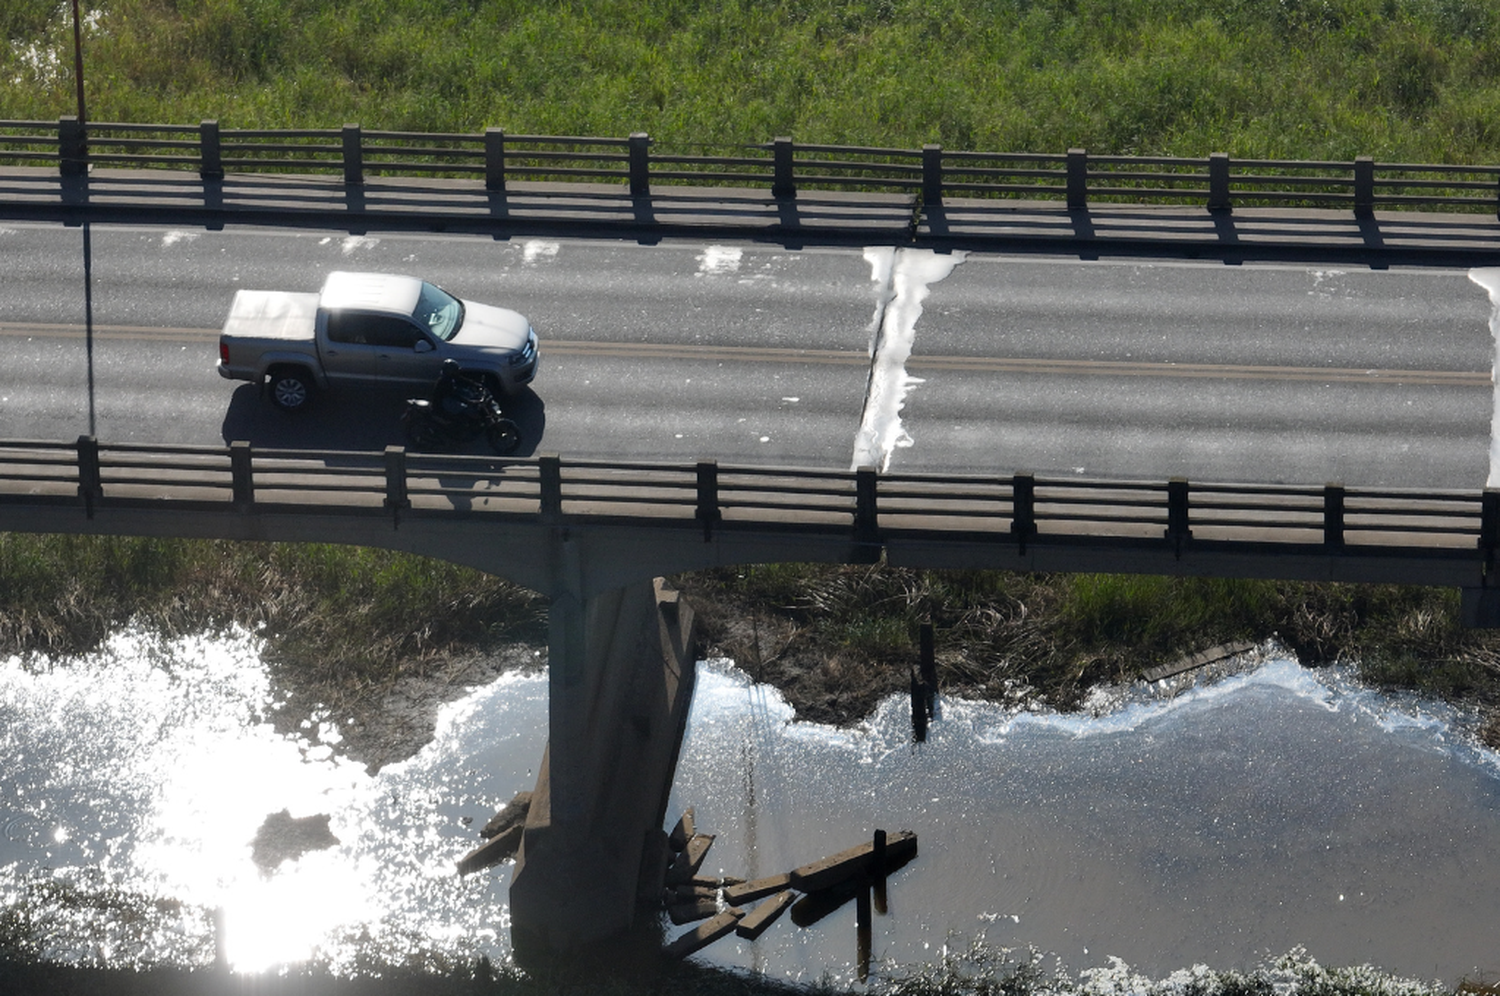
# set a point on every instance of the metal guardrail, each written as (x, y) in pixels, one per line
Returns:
(931, 173)
(867, 506)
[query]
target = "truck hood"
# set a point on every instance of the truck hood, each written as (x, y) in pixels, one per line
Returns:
(487, 326)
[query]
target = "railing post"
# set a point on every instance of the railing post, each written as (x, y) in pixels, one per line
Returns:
(1218, 183)
(783, 182)
(640, 164)
(549, 469)
(242, 475)
(1333, 515)
(1489, 527)
(708, 497)
(866, 506)
(494, 159)
(1022, 509)
(1364, 187)
(72, 147)
(90, 484)
(1178, 531)
(354, 155)
(396, 498)
(1078, 180)
(210, 153)
(932, 175)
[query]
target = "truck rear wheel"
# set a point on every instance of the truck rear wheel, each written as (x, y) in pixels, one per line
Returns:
(291, 389)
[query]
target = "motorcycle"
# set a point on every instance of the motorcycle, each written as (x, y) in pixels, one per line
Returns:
(477, 414)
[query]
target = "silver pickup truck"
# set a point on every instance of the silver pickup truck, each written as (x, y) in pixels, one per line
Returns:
(370, 328)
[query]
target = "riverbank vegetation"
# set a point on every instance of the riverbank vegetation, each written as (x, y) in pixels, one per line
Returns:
(1402, 80)
(344, 625)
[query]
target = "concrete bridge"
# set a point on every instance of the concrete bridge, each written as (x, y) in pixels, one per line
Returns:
(593, 535)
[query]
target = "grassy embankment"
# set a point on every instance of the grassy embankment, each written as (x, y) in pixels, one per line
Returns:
(1404, 80)
(343, 625)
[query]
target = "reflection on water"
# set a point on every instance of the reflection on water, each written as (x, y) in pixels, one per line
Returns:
(1276, 808)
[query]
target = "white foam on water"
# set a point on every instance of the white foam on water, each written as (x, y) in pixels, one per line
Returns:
(1488, 277)
(902, 278)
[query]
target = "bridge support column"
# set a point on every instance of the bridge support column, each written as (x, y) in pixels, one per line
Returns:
(621, 671)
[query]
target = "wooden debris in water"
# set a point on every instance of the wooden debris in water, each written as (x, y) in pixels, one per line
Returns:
(757, 920)
(692, 911)
(683, 832)
(748, 892)
(899, 848)
(1194, 661)
(511, 814)
(686, 864)
(504, 831)
(704, 934)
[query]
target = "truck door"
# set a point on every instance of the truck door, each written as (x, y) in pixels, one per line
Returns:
(403, 352)
(346, 353)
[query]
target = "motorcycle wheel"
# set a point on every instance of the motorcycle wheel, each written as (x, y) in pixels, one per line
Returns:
(504, 436)
(420, 433)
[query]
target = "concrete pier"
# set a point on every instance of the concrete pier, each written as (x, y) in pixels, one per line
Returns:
(622, 666)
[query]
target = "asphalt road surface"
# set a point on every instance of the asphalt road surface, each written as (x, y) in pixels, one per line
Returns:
(758, 354)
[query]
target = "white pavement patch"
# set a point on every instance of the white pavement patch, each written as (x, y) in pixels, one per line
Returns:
(356, 242)
(719, 259)
(536, 250)
(1489, 278)
(174, 236)
(902, 277)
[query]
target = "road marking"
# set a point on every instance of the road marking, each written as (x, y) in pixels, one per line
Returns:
(851, 358)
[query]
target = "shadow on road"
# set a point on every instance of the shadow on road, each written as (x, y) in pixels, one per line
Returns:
(360, 421)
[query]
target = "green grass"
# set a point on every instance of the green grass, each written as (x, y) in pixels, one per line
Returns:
(1403, 80)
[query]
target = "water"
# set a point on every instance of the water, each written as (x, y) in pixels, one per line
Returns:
(1278, 807)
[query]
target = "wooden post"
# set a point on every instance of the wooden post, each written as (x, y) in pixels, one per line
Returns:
(1178, 532)
(1364, 187)
(354, 155)
(1333, 515)
(877, 871)
(783, 182)
(640, 164)
(90, 485)
(72, 148)
(918, 710)
(928, 663)
(1218, 183)
(549, 467)
(494, 159)
(1078, 180)
(1022, 509)
(396, 498)
(707, 511)
(241, 474)
(862, 928)
(210, 153)
(866, 508)
(932, 176)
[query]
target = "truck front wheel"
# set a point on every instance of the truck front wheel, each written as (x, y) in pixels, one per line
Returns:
(291, 389)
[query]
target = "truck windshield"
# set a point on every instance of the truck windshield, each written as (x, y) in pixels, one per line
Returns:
(438, 311)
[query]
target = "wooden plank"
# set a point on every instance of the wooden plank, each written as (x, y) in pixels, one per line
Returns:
(692, 910)
(686, 865)
(757, 920)
(855, 861)
(492, 851)
(683, 832)
(747, 892)
(704, 934)
(1200, 659)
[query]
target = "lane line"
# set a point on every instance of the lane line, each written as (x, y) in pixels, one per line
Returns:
(831, 357)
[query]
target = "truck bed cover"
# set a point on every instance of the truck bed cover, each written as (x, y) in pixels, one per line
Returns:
(272, 315)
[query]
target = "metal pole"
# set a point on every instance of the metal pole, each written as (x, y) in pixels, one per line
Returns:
(78, 61)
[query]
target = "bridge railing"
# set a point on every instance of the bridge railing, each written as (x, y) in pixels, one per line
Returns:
(930, 174)
(865, 505)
